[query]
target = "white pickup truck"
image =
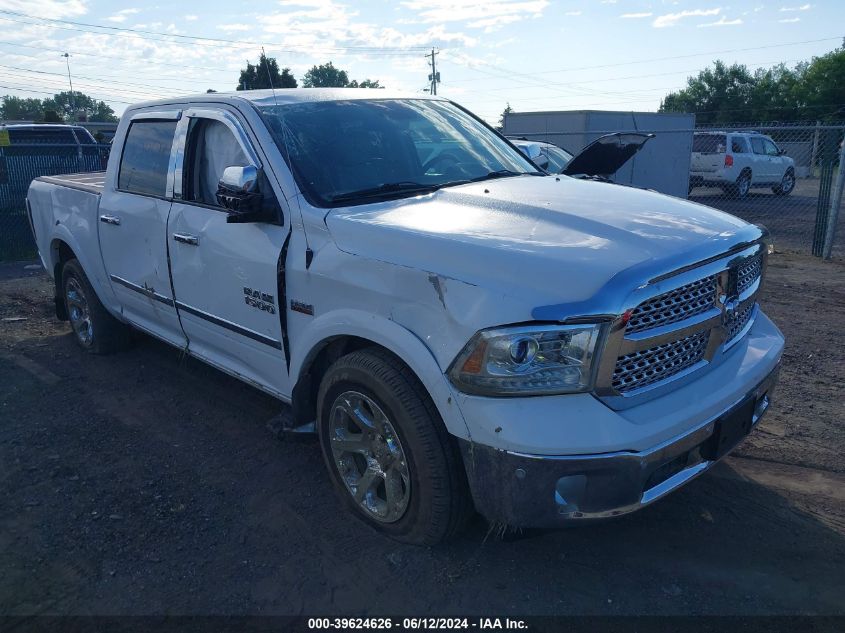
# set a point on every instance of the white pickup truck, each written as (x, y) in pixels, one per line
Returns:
(460, 329)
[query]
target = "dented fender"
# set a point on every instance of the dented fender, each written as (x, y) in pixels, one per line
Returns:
(392, 336)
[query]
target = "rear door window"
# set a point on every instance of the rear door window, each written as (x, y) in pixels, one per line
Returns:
(709, 143)
(146, 158)
(739, 145)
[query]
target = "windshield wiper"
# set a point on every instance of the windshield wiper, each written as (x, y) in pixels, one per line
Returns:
(384, 189)
(499, 173)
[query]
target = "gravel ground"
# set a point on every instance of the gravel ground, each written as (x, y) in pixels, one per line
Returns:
(148, 483)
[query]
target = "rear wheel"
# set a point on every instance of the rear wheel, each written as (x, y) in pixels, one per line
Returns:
(787, 184)
(96, 331)
(388, 453)
(742, 187)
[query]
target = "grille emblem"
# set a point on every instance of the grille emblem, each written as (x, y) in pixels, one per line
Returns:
(731, 306)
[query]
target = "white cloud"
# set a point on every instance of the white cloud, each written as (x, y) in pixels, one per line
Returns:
(48, 8)
(723, 21)
(573, 13)
(803, 7)
(122, 15)
(191, 18)
(320, 25)
(789, 20)
(495, 12)
(671, 19)
(635, 16)
(234, 27)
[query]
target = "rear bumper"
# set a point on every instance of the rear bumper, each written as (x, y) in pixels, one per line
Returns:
(525, 490)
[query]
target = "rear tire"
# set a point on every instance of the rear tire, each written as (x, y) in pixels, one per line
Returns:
(95, 330)
(389, 456)
(787, 184)
(741, 188)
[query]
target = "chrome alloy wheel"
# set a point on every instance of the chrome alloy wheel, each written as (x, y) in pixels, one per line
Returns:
(78, 312)
(788, 182)
(369, 457)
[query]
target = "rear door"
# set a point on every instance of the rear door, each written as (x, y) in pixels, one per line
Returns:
(226, 275)
(133, 225)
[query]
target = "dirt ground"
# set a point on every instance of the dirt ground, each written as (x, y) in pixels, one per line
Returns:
(148, 483)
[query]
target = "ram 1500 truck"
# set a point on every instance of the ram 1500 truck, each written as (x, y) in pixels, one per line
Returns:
(461, 330)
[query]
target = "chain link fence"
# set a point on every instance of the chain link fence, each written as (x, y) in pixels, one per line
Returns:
(783, 176)
(19, 165)
(786, 177)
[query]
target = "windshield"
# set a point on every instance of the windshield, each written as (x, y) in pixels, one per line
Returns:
(351, 152)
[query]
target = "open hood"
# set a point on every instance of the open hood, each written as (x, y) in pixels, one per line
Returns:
(605, 155)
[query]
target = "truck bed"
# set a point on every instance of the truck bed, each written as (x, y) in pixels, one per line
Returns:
(92, 182)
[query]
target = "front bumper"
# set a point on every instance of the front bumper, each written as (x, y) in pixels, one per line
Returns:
(525, 490)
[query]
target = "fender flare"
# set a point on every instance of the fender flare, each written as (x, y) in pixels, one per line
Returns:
(394, 338)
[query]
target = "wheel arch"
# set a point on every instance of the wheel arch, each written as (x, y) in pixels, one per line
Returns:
(60, 253)
(340, 334)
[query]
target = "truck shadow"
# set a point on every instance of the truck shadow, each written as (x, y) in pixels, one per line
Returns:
(145, 483)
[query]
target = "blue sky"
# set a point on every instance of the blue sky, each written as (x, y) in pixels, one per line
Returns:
(534, 54)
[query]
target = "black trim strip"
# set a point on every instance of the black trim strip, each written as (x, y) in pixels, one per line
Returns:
(140, 289)
(237, 329)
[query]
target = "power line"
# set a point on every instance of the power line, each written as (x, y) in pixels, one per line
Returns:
(645, 61)
(197, 39)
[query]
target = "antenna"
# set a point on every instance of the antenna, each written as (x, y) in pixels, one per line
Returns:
(269, 76)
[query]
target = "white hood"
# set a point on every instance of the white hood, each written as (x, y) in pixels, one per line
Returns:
(528, 236)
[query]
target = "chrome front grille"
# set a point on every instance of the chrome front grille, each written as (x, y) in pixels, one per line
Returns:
(675, 305)
(748, 273)
(668, 335)
(648, 366)
(740, 319)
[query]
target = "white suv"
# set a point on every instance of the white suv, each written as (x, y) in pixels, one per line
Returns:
(738, 161)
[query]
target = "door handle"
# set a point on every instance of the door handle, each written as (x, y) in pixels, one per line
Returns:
(193, 240)
(110, 219)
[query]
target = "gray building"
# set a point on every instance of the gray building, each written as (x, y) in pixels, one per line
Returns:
(663, 164)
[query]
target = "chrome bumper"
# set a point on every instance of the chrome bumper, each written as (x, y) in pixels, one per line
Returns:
(544, 491)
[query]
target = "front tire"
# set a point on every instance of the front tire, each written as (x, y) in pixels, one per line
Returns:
(787, 184)
(95, 330)
(389, 455)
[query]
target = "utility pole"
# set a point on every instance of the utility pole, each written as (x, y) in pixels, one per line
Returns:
(72, 104)
(434, 77)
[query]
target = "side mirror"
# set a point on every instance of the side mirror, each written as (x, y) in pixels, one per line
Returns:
(238, 192)
(781, 152)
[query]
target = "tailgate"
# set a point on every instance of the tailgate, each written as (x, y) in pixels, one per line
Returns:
(708, 152)
(706, 162)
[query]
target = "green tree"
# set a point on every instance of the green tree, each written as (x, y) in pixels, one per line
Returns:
(257, 77)
(62, 107)
(367, 83)
(327, 76)
(717, 95)
(810, 91)
(508, 109)
(823, 86)
(18, 109)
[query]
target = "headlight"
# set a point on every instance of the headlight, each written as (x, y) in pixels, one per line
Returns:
(531, 360)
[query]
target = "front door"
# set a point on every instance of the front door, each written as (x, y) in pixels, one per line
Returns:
(132, 226)
(226, 275)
